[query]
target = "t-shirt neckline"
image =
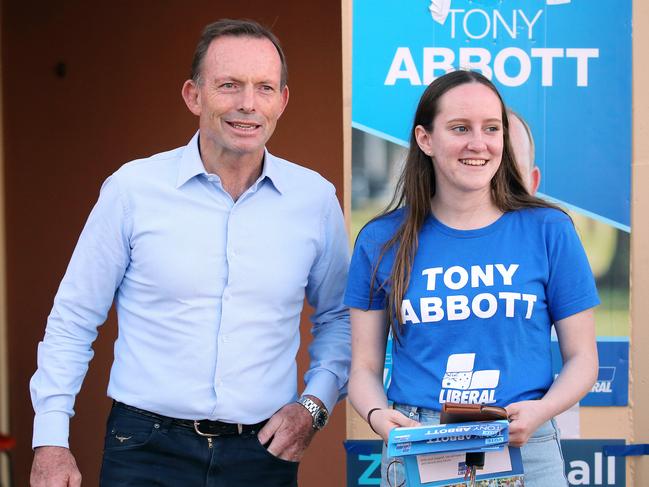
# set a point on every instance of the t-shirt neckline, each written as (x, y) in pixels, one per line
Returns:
(473, 233)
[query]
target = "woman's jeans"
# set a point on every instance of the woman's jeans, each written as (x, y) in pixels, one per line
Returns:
(542, 457)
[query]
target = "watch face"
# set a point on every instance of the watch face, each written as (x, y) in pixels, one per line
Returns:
(320, 419)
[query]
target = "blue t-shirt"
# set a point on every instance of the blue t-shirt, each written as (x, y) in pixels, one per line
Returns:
(479, 306)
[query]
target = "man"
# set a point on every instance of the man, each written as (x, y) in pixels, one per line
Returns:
(522, 142)
(208, 250)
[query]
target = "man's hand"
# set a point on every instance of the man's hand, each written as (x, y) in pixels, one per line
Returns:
(54, 466)
(291, 430)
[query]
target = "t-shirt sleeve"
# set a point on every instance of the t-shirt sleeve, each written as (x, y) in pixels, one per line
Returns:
(571, 285)
(363, 286)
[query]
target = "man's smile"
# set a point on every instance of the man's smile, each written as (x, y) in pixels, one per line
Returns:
(246, 126)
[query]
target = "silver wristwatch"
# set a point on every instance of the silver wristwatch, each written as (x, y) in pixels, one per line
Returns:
(319, 414)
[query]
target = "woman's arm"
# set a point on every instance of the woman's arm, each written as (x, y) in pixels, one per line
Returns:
(369, 335)
(578, 346)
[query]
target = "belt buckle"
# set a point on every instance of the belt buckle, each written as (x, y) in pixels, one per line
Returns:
(210, 435)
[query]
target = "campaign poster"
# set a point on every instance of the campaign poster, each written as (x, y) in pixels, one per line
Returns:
(612, 386)
(363, 462)
(586, 463)
(563, 65)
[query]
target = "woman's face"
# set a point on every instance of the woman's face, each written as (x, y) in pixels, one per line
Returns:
(466, 142)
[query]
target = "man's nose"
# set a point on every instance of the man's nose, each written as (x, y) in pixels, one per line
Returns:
(247, 99)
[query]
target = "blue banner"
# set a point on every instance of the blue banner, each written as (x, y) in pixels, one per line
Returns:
(387, 366)
(565, 65)
(363, 462)
(585, 463)
(612, 386)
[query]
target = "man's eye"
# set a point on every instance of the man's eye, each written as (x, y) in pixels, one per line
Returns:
(267, 88)
(227, 85)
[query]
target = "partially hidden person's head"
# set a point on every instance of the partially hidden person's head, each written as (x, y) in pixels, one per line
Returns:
(237, 87)
(522, 141)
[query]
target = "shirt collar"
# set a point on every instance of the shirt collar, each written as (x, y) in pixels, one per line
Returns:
(273, 171)
(191, 165)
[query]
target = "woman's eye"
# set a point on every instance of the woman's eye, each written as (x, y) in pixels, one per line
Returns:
(493, 129)
(460, 128)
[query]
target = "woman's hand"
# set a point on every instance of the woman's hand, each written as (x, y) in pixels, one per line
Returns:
(525, 417)
(576, 335)
(385, 420)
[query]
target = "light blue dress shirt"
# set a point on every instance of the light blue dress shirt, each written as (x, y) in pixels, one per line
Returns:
(208, 294)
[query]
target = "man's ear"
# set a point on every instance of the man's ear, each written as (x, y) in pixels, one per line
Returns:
(535, 179)
(192, 96)
(284, 99)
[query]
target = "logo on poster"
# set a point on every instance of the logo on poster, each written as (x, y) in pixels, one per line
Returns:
(511, 65)
(604, 382)
(439, 9)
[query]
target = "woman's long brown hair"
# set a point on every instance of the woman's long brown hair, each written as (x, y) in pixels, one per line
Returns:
(416, 188)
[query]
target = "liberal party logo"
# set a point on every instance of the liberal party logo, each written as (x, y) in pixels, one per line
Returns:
(604, 380)
(462, 384)
(439, 9)
(604, 384)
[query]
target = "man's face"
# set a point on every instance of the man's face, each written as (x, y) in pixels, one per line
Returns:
(522, 148)
(239, 98)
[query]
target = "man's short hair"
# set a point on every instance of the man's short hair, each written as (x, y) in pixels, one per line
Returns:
(234, 28)
(528, 131)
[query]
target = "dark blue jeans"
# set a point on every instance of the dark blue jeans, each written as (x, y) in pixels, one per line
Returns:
(140, 450)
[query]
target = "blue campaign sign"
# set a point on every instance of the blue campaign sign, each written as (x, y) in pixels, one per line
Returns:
(585, 463)
(612, 386)
(363, 462)
(564, 65)
(387, 367)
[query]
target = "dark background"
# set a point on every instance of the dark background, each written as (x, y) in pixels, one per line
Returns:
(88, 86)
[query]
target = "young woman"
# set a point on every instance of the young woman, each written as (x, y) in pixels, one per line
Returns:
(470, 271)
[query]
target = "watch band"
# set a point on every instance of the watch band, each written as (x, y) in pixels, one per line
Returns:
(319, 413)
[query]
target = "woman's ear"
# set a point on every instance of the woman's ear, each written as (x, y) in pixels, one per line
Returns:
(423, 138)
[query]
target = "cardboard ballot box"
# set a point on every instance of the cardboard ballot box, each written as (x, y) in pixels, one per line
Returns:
(434, 455)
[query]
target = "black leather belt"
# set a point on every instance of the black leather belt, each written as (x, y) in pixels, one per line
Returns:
(202, 427)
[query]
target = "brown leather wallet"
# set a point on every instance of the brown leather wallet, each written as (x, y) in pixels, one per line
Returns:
(463, 413)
